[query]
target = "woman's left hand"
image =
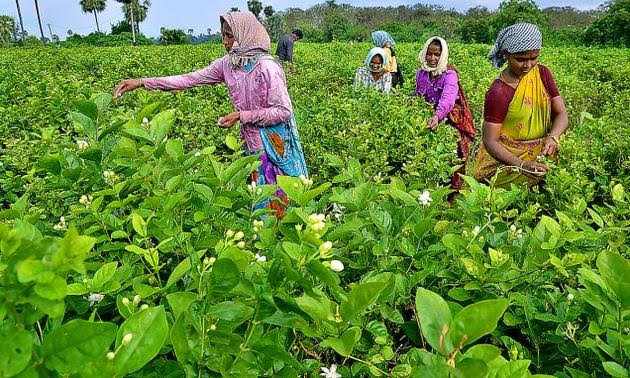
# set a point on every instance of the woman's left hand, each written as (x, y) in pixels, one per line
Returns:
(229, 120)
(550, 147)
(433, 123)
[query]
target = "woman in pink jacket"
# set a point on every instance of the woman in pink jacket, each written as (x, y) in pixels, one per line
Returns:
(257, 88)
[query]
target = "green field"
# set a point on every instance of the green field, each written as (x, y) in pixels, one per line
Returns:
(514, 282)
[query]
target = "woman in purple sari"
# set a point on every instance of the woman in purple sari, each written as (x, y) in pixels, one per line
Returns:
(257, 87)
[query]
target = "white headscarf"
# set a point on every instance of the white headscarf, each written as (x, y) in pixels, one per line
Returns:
(442, 65)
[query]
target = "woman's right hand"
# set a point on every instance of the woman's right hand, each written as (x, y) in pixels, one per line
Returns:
(127, 86)
(534, 168)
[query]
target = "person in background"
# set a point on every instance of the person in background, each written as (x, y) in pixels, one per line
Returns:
(284, 51)
(257, 87)
(438, 83)
(385, 41)
(524, 114)
(373, 74)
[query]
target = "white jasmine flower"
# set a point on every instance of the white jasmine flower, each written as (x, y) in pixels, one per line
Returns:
(136, 299)
(197, 154)
(145, 121)
(336, 265)
(111, 356)
(125, 301)
(425, 198)
(513, 228)
(241, 244)
(95, 298)
(330, 372)
(326, 246)
(213, 327)
(144, 307)
(260, 258)
(476, 230)
(229, 234)
(239, 235)
(570, 297)
(82, 144)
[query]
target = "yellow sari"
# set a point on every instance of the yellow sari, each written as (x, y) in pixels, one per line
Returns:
(528, 120)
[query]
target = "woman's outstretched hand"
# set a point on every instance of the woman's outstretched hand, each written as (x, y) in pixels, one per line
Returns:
(433, 123)
(229, 120)
(127, 86)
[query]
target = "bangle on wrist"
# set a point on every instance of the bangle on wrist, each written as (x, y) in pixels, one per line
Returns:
(521, 165)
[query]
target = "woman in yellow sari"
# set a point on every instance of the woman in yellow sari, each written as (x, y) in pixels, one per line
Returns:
(524, 114)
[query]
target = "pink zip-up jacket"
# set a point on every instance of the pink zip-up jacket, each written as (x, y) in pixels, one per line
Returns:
(260, 96)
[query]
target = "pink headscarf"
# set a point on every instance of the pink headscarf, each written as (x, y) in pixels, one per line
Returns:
(251, 38)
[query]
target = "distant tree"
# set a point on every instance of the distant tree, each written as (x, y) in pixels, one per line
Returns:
(268, 11)
(135, 12)
(478, 12)
(70, 32)
(93, 6)
(255, 6)
(514, 11)
(8, 32)
(209, 31)
(477, 30)
(191, 31)
(123, 26)
(234, 9)
(276, 27)
(613, 27)
(174, 37)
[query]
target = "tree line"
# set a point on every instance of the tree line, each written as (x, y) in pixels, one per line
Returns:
(609, 24)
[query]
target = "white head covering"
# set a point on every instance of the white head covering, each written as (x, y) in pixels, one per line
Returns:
(376, 51)
(442, 65)
(514, 39)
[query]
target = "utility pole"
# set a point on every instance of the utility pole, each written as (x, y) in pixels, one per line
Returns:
(17, 3)
(133, 28)
(39, 20)
(50, 31)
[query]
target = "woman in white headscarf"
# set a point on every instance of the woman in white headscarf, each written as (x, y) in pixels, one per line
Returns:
(438, 83)
(524, 114)
(373, 74)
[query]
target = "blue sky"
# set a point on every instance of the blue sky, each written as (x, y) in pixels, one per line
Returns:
(200, 14)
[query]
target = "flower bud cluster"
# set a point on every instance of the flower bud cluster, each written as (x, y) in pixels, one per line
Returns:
(109, 176)
(86, 200)
(253, 189)
(317, 222)
(82, 144)
(61, 225)
(305, 180)
(518, 232)
(258, 225)
(425, 198)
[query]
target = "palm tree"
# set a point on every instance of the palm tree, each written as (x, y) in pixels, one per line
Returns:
(17, 4)
(39, 20)
(93, 6)
(135, 13)
(7, 29)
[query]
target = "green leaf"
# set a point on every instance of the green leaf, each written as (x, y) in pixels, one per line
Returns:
(615, 369)
(344, 344)
(69, 348)
(53, 289)
(139, 224)
(317, 306)
(180, 302)
(435, 317)
(138, 132)
(476, 320)
(87, 108)
(483, 352)
(173, 183)
(102, 101)
(360, 298)
(292, 186)
(232, 143)
(231, 311)
(103, 275)
(161, 124)
(308, 196)
(471, 368)
(174, 148)
(181, 269)
(225, 276)
(86, 122)
(150, 330)
(381, 219)
(16, 346)
(615, 270)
